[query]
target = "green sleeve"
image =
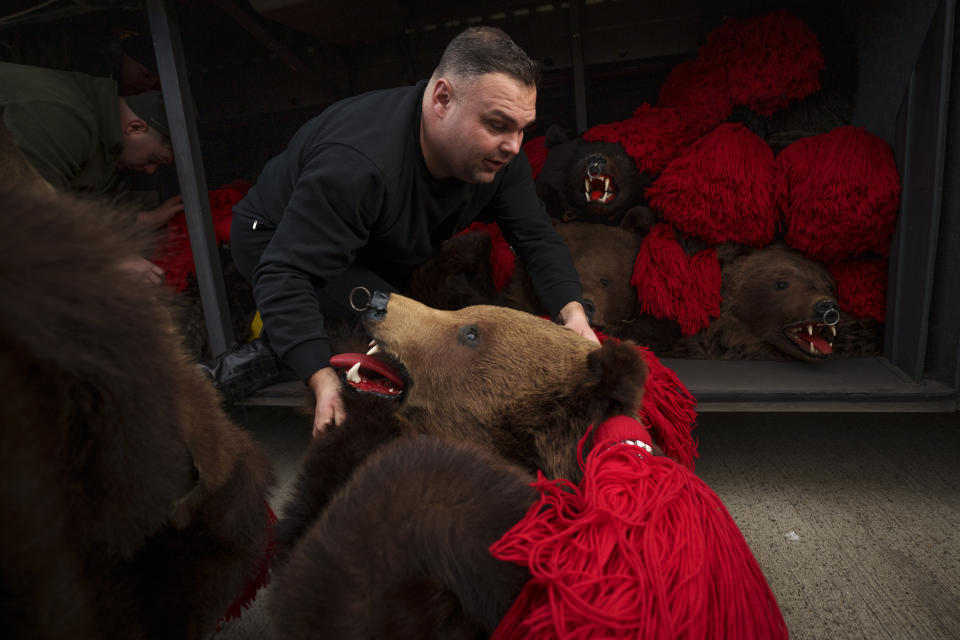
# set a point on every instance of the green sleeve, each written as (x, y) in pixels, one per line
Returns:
(55, 139)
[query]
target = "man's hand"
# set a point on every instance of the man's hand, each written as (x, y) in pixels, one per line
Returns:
(156, 218)
(575, 318)
(142, 267)
(326, 387)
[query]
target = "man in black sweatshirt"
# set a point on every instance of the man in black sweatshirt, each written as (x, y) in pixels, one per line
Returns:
(368, 190)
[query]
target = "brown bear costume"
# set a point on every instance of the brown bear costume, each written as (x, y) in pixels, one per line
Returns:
(392, 540)
(777, 305)
(131, 506)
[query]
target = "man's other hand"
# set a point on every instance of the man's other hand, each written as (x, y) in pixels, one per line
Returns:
(326, 387)
(156, 218)
(575, 318)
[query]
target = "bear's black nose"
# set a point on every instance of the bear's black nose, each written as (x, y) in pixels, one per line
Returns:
(378, 305)
(828, 311)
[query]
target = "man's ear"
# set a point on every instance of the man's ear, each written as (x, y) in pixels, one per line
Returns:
(134, 126)
(442, 97)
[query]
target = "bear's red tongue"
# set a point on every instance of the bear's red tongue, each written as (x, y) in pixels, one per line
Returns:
(373, 375)
(819, 343)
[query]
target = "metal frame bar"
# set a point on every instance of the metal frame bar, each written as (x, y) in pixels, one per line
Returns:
(576, 63)
(920, 158)
(165, 30)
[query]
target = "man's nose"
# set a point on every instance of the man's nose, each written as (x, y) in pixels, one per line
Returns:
(511, 143)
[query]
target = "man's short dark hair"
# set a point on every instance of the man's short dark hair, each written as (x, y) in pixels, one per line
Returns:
(480, 50)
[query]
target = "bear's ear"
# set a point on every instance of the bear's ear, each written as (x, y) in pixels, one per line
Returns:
(639, 218)
(728, 252)
(619, 372)
(555, 135)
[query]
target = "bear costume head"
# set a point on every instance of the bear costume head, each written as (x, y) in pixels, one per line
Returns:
(591, 181)
(512, 382)
(777, 305)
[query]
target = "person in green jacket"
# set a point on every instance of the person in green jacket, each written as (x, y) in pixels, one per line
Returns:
(77, 132)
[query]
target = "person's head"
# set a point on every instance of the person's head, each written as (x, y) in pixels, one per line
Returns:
(137, 66)
(480, 99)
(146, 135)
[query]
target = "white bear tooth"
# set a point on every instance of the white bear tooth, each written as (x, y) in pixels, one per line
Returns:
(833, 330)
(812, 348)
(353, 375)
(809, 329)
(606, 183)
(374, 349)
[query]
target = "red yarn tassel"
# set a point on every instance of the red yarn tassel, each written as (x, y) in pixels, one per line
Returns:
(862, 287)
(262, 577)
(652, 137)
(502, 259)
(641, 549)
(769, 60)
(672, 285)
(175, 256)
(536, 151)
(700, 98)
(839, 193)
(721, 189)
(668, 409)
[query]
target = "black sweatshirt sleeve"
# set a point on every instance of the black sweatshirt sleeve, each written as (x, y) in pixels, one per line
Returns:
(334, 203)
(527, 227)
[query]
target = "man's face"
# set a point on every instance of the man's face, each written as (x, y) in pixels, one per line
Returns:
(483, 126)
(144, 151)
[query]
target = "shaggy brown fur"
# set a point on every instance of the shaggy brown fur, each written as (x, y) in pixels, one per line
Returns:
(764, 292)
(401, 551)
(459, 275)
(131, 506)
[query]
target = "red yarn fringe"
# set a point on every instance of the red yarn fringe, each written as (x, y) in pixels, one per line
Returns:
(502, 259)
(175, 256)
(839, 193)
(536, 151)
(721, 188)
(262, 577)
(770, 61)
(668, 408)
(641, 549)
(652, 137)
(862, 287)
(672, 285)
(700, 98)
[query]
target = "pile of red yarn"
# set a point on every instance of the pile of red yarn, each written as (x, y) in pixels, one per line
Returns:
(174, 255)
(641, 548)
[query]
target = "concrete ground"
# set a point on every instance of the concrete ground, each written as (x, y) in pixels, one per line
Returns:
(853, 517)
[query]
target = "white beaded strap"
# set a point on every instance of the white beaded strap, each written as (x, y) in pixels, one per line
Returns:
(638, 443)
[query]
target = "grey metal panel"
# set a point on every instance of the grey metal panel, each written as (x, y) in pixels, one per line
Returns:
(165, 30)
(921, 163)
(576, 57)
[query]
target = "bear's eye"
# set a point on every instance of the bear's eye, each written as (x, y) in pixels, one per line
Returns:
(781, 284)
(469, 335)
(604, 283)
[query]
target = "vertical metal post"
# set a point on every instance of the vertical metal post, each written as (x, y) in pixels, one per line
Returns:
(165, 30)
(576, 62)
(921, 161)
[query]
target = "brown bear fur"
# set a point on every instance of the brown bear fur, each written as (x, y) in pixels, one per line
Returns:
(604, 257)
(402, 549)
(398, 548)
(132, 507)
(764, 291)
